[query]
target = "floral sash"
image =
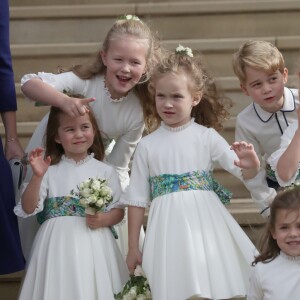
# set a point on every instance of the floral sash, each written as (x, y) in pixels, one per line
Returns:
(64, 206)
(196, 180)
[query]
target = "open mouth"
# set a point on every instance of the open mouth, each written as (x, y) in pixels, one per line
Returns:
(123, 79)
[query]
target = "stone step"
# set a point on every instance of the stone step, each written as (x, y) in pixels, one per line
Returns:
(217, 53)
(205, 19)
(10, 285)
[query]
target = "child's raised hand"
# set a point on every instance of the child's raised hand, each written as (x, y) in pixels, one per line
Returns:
(246, 154)
(38, 163)
(133, 259)
(75, 106)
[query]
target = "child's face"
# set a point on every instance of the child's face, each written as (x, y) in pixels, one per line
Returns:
(76, 135)
(125, 63)
(265, 89)
(174, 100)
(287, 231)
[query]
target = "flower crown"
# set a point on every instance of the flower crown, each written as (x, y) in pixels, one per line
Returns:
(129, 17)
(184, 51)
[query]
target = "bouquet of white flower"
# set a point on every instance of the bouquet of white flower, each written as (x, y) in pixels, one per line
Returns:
(94, 194)
(136, 288)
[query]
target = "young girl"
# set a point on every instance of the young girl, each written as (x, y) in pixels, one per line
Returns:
(276, 274)
(73, 256)
(115, 79)
(193, 246)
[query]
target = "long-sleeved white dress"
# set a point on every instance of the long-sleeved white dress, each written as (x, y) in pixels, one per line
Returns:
(68, 260)
(120, 122)
(193, 246)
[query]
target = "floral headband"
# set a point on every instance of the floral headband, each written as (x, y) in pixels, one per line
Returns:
(129, 17)
(184, 51)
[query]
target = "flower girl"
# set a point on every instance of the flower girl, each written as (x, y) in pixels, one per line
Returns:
(73, 256)
(193, 246)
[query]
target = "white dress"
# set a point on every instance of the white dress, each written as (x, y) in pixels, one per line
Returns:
(69, 260)
(120, 121)
(276, 280)
(193, 246)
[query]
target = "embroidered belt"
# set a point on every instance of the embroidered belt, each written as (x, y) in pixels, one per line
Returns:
(64, 206)
(196, 180)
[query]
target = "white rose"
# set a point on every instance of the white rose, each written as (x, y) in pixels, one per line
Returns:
(92, 199)
(95, 185)
(132, 292)
(85, 192)
(141, 297)
(99, 202)
(105, 191)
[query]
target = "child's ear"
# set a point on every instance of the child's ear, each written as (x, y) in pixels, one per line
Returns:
(197, 98)
(103, 56)
(244, 89)
(273, 233)
(285, 75)
(57, 140)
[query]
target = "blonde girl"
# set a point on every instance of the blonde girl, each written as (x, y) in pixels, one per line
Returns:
(193, 247)
(114, 84)
(74, 255)
(276, 273)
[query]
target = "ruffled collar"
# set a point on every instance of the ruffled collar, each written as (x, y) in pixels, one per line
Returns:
(108, 95)
(72, 161)
(179, 128)
(290, 258)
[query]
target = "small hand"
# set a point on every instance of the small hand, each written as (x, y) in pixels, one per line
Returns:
(38, 163)
(133, 259)
(76, 106)
(96, 221)
(246, 154)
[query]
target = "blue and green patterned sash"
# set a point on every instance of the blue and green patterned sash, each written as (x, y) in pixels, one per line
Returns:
(64, 206)
(196, 180)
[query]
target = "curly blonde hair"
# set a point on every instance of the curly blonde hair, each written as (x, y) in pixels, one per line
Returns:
(214, 107)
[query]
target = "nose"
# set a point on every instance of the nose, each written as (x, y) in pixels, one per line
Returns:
(167, 103)
(266, 88)
(125, 67)
(78, 133)
(294, 232)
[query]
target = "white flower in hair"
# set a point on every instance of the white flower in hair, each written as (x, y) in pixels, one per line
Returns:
(184, 51)
(131, 17)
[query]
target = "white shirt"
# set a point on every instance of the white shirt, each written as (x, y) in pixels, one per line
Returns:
(264, 130)
(276, 280)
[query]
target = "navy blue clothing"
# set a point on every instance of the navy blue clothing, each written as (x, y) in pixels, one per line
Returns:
(11, 257)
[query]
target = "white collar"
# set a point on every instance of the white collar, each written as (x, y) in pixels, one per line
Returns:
(288, 106)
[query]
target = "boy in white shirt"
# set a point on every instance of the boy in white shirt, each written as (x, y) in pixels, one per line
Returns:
(261, 71)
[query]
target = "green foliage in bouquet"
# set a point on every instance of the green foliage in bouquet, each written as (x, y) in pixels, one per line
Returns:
(136, 288)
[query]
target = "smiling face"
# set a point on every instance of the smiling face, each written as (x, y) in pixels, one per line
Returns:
(76, 135)
(125, 62)
(286, 231)
(174, 100)
(265, 89)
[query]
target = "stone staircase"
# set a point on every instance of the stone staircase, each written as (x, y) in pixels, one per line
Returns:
(47, 34)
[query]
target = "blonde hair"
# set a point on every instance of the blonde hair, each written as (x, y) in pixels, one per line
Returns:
(259, 55)
(138, 29)
(213, 107)
(288, 200)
